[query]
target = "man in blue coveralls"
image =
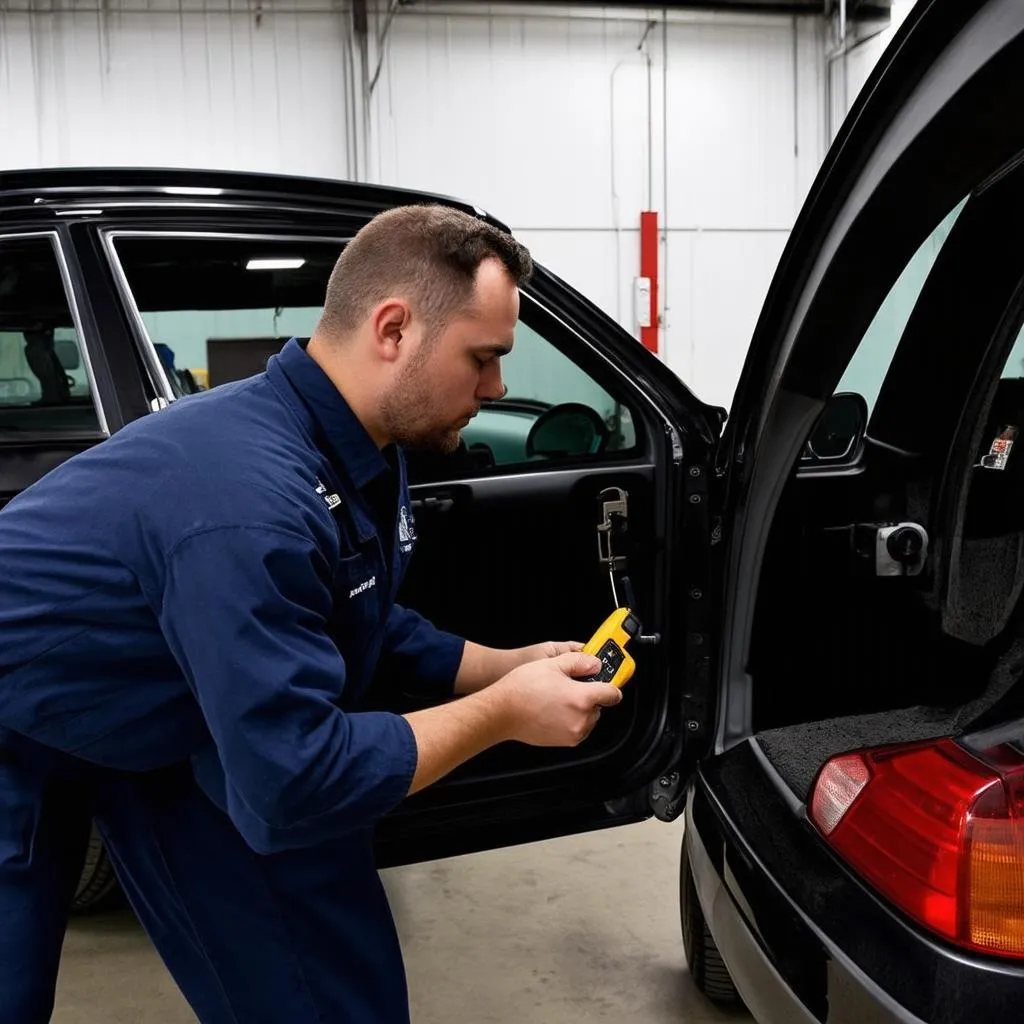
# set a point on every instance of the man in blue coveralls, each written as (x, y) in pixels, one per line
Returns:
(191, 613)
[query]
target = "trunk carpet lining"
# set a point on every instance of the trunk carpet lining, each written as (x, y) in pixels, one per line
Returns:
(799, 751)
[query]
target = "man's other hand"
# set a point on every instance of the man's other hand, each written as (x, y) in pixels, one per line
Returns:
(548, 649)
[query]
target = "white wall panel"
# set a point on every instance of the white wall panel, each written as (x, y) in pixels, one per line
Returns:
(732, 105)
(175, 87)
(567, 130)
(731, 274)
(518, 115)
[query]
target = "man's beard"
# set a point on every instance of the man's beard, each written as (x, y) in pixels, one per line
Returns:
(406, 413)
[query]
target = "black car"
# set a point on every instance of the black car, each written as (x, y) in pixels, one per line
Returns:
(829, 584)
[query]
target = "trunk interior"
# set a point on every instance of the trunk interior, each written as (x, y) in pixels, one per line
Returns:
(843, 659)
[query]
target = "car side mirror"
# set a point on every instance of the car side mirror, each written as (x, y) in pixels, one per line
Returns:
(565, 430)
(840, 429)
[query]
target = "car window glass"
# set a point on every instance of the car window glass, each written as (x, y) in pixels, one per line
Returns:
(866, 371)
(44, 384)
(216, 309)
(553, 410)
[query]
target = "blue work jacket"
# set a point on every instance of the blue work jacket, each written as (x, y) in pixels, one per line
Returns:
(210, 584)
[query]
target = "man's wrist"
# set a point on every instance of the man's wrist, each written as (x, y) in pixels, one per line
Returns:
(510, 659)
(481, 666)
(500, 711)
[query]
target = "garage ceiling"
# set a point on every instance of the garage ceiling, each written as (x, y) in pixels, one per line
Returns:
(856, 10)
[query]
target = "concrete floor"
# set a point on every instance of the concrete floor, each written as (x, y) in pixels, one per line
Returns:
(573, 930)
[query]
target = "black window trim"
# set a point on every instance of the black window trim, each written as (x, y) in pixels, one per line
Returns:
(84, 342)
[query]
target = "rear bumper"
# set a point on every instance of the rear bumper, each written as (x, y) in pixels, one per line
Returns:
(804, 941)
(765, 992)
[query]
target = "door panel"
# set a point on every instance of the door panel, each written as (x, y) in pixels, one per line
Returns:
(513, 561)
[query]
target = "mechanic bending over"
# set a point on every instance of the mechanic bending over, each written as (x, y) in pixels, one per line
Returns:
(190, 614)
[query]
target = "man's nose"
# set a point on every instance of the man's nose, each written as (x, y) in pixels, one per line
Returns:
(492, 388)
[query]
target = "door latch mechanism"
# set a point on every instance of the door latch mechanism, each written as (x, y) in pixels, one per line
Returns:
(611, 531)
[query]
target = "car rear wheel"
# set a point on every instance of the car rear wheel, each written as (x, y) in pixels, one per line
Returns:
(707, 968)
(97, 889)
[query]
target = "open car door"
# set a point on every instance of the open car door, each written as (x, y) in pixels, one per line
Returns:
(593, 470)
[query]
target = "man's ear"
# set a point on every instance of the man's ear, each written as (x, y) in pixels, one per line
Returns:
(390, 320)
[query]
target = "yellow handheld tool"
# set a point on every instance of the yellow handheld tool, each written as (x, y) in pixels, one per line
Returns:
(609, 644)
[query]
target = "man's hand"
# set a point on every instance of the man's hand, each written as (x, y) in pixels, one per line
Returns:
(482, 666)
(548, 707)
(540, 703)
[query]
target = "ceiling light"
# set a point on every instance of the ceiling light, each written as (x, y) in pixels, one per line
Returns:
(192, 190)
(272, 264)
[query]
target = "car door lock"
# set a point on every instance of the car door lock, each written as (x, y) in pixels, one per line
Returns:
(891, 549)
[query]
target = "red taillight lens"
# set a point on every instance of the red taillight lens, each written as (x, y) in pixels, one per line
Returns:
(936, 831)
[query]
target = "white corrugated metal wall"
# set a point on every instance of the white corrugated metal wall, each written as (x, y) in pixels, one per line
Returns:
(176, 85)
(558, 124)
(565, 125)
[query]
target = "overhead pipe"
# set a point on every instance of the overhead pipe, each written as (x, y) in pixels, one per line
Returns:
(382, 39)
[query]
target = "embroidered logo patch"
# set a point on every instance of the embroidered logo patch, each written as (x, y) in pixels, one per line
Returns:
(330, 500)
(363, 587)
(406, 529)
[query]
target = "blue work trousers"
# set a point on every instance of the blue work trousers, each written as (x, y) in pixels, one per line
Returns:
(301, 936)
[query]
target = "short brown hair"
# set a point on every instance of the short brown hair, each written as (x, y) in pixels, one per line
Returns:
(431, 253)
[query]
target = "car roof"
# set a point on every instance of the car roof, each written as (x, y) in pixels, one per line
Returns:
(39, 191)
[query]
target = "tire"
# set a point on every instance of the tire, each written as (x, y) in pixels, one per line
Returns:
(707, 968)
(97, 889)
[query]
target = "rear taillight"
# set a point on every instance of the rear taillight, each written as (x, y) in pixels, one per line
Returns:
(938, 832)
